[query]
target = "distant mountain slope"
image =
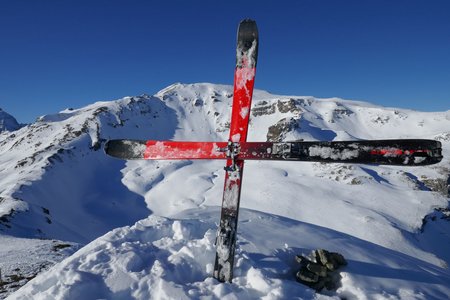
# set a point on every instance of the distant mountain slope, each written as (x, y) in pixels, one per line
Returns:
(7, 122)
(56, 182)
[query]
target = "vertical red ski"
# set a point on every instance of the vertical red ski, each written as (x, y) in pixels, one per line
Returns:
(244, 77)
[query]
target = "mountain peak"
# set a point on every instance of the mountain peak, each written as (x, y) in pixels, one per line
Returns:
(7, 122)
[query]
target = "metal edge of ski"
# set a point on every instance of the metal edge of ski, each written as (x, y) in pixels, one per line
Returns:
(244, 76)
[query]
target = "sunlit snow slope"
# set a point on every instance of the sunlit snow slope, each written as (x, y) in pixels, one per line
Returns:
(56, 183)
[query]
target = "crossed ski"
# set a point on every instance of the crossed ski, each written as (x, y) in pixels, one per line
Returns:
(237, 149)
(386, 152)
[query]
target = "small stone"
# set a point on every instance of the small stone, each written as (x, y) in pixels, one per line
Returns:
(306, 276)
(331, 266)
(330, 285)
(333, 281)
(300, 259)
(319, 285)
(338, 258)
(317, 269)
(322, 256)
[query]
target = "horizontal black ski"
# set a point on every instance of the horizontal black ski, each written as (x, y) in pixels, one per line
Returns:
(387, 152)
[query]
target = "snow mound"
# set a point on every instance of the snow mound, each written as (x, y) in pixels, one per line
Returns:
(171, 258)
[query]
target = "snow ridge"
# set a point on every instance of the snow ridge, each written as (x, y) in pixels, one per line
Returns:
(56, 183)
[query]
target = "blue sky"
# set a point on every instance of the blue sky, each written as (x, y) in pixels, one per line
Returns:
(56, 54)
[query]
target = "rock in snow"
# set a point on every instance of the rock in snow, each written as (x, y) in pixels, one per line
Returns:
(58, 187)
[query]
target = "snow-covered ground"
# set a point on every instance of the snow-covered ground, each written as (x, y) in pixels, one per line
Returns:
(58, 187)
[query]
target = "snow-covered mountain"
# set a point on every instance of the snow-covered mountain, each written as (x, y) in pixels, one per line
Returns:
(57, 185)
(7, 122)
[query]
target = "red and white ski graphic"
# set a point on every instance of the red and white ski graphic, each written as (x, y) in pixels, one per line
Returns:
(244, 79)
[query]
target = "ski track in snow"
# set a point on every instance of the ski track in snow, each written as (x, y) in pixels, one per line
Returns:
(371, 214)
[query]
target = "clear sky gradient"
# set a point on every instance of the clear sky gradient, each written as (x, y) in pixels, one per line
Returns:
(56, 54)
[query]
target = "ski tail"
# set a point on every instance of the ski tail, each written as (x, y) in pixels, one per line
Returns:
(411, 152)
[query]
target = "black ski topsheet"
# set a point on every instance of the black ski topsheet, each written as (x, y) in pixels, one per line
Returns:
(411, 152)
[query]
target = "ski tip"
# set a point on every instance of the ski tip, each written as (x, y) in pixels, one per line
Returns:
(106, 147)
(125, 149)
(247, 32)
(109, 147)
(247, 21)
(247, 37)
